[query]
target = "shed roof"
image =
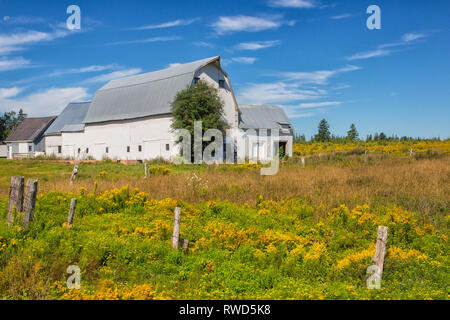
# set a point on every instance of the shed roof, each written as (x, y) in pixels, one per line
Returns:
(30, 129)
(262, 117)
(73, 114)
(142, 95)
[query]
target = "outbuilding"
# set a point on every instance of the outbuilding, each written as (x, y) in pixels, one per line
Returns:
(27, 140)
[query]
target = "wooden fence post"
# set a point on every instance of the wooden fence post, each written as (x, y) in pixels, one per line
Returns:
(410, 153)
(184, 243)
(73, 204)
(380, 250)
(15, 198)
(146, 170)
(29, 201)
(74, 173)
(176, 229)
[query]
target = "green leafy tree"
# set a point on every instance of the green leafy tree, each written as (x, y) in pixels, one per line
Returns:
(323, 133)
(200, 102)
(352, 134)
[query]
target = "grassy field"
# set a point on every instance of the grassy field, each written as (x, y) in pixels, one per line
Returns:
(305, 233)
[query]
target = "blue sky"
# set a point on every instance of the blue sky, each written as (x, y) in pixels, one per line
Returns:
(317, 59)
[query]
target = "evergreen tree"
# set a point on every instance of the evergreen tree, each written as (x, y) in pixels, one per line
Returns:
(352, 133)
(323, 132)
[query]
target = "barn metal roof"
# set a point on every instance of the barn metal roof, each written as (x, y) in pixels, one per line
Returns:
(262, 117)
(79, 127)
(142, 95)
(30, 129)
(73, 114)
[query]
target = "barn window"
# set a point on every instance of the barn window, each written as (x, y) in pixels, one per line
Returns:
(30, 148)
(59, 149)
(139, 148)
(221, 83)
(196, 79)
(167, 147)
(128, 148)
(107, 149)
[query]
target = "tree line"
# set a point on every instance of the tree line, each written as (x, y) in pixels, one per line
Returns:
(9, 121)
(324, 135)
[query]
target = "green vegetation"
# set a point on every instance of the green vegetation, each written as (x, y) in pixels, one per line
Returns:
(121, 240)
(305, 233)
(200, 102)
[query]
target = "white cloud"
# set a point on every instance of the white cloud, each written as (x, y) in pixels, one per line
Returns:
(244, 60)
(13, 64)
(276, 92)
(9, 92)
(317, 77)
(113, 75)
(18, 20)
(30, 37)
(408, 37)
(383, 50)
(169, 24)
(318, 104)
(147, 40)
(14, 42)
(342, 16)
(9, 50)
(256, 45)
(44, 103)
(370, 54)
(203, 44)
(96, 68)
(175, 64)
(293, 89)
(248, 24)
(24, 38)
(293, 3)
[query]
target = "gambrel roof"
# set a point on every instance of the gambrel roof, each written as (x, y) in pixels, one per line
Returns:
(143, 95)
(70, 119)
(30, 129)
(263, 117)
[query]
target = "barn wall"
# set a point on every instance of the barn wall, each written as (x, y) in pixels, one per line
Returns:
(152, 134)
(51, 145)
(3, 150)
(251, 148)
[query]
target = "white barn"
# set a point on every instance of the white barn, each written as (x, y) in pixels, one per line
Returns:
(70, 120)
(130, 118)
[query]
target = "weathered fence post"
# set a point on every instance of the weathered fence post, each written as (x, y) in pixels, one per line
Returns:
(176, 229)
(15, 197)
(29, 201)
(146, 170)
(184, 243)
(376, 269)
(410, 153)
(303, 161)
(74, 173)
(73, 204)
(380, 250)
